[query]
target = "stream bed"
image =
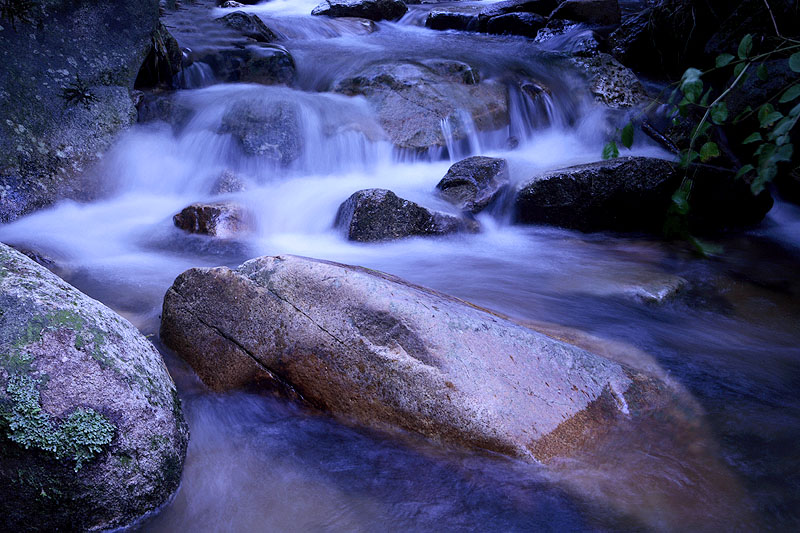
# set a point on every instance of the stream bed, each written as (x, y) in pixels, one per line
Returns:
(730, 336)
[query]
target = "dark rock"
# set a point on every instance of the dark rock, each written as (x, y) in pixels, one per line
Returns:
(380, 215)
(669, 36)
(162, 63)
(249, 25)
(473, 183)
(91, 431)
(371, 347)
(604, 12)
(611, 83)
(266, 128)
(367, 9)
(476, 17)
(65, 84)
(524, 24)
(633, 194)
(413, 99)
(267, 64)
(220, 219)
(231, 4)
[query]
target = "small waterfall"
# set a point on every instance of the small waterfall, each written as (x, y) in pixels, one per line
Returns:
(195, 76)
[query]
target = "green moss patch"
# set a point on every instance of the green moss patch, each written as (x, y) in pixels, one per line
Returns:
(81, 437)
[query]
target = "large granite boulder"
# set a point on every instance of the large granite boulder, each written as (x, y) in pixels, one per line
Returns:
(264, 63)
(612, 84)
(380, 215)
(91, 431)
(412, 100)
(68, 68)
(365, 9)
(633, 194)
(475, 182)
(374, 348)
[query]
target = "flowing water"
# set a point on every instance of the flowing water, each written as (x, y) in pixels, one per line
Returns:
(258, 463)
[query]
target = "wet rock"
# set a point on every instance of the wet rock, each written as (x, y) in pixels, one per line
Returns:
(473, 183)
(64, 100)
(633, 194)
(374, 348)
(220, 219)
(267, 129)
(249, 25)
(91, 431)
(231, 4)
(267, 64)
(473, 17)
(227, 183)
(162, 63)
(611, 83)
(604, 12)
(380, 215)
(523, 24)
(367, 9)
(455, 70)
(413, 99)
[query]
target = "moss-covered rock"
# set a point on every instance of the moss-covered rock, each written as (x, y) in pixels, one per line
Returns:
(67, 71)
(91, 431)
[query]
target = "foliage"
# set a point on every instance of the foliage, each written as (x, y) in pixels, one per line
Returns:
(80, 437)
(17, 11)
(78, 92)
(771, 140)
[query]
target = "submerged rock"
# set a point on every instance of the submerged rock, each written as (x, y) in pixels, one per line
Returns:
(220, 219)
(412, 101)
(472, 17)
(593, 11)
(370, 346)
(633, 194)
(228, 182)
(269, 129)
(473, 183)
(380, 215)
(91, 431)
(367, 9)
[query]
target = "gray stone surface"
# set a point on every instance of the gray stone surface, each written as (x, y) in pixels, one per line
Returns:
(412, 99)
(374, 348)
(46, 140)
(380, 215)
(473, 183)
(91, 430)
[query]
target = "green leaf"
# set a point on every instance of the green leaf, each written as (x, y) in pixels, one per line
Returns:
(610, 150)
(771, 119)
(783, 153)
(706, 97)
(790, 94)
(753, 137)
(745, 46)
(681, 199)
(795, 112)
(744, 170)
(738, 69)
(692, 74)
(724, 59)
(765, 175)
(762, 73)
(747, 110)
(708, 151)
(794, 62)
(782, 127)
(719, 113)
(627, 135)
(692, 90)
